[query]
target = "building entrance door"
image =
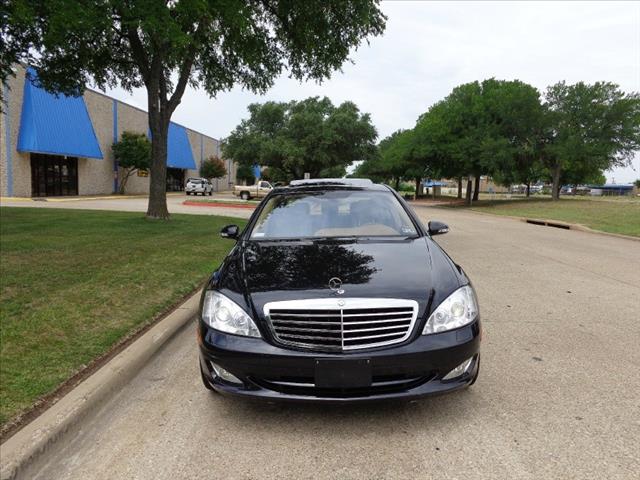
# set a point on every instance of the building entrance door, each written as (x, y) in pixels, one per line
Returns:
(175, 179)
(53, 175)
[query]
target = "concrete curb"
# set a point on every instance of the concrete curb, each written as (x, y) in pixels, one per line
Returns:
(559, 224)
(22, 452)
(81, 198)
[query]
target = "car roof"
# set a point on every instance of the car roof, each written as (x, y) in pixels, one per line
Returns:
(332, 184)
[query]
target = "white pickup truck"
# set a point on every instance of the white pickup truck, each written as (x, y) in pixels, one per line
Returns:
(259, 190)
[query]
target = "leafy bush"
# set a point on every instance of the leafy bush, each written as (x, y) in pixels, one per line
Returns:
(212, 167)
(132, 152)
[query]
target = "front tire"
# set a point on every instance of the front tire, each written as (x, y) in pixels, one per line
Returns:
(245, 196)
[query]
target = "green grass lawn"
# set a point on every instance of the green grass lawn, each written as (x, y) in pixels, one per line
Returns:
(615, 215)
(75, 282)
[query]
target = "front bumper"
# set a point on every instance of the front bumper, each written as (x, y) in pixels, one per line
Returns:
(406, 371)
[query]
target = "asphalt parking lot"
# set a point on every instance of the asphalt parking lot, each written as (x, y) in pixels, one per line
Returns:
(557, 397)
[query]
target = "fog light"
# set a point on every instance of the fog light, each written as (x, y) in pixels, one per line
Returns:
(224, 374)
(459, 370)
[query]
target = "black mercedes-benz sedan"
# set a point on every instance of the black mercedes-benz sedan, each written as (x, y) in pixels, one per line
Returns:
(336, 292)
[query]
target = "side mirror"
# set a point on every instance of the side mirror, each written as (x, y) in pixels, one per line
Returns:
(437, 228)
(230, 231)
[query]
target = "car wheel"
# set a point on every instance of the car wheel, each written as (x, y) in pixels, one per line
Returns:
(244, 196)
(205, 382)
(211, 193)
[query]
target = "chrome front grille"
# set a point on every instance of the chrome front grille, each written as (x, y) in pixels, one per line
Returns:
(340, 324)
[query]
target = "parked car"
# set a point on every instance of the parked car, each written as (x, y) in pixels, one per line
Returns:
(198, 185)
(336, 292)
(259, 190)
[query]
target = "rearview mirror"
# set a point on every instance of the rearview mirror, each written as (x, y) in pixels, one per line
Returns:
(437, 228)
(230, 231)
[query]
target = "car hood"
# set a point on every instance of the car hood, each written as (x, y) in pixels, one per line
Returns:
(413, 269)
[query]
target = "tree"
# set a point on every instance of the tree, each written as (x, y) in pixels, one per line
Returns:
(245, 174)
(165, 46)
(589, 129)
(637, 183)
(133, 153)
(483, 128)
(212, 167)
(449, 136)
(310, 136)
(514, 123)
(391, 161)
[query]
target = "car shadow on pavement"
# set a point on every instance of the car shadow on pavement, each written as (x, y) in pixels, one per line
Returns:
(380, 416)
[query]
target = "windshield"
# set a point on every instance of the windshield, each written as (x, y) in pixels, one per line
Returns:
(333, 213)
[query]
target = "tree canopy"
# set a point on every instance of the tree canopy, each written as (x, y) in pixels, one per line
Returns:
(504, 129)
(589, 129)
(165, 46)
(293, 138)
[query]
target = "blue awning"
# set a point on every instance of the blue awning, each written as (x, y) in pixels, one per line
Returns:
(433, 183)
(179, 152)
(56, 125)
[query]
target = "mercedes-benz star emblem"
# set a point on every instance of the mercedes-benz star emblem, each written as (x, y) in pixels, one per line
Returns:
(335, 284)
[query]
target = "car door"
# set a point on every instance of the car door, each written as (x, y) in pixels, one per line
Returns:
(263, 188)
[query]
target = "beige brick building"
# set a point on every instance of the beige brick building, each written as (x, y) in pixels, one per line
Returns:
(62, 146)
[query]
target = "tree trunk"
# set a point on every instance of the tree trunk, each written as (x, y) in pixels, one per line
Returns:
(397, 183)
(476, 191)
(469, 191)
(125, 178)
(555, 189)
(418, 189)
(157, 207)
(528, 189)
(459, 187)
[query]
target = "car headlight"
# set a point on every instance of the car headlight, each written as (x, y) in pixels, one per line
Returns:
(457, 310)
(222, 314)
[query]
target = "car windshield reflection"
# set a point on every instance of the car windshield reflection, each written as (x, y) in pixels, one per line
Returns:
(337, 215)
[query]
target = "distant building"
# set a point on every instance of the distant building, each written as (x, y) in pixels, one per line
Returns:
(52, 146)
(611, 189)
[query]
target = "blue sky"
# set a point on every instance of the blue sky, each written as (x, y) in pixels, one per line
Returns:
(430, 47)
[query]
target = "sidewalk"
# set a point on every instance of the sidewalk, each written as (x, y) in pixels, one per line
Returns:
(79, 198)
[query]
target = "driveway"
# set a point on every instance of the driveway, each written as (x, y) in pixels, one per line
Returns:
(557, 397)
